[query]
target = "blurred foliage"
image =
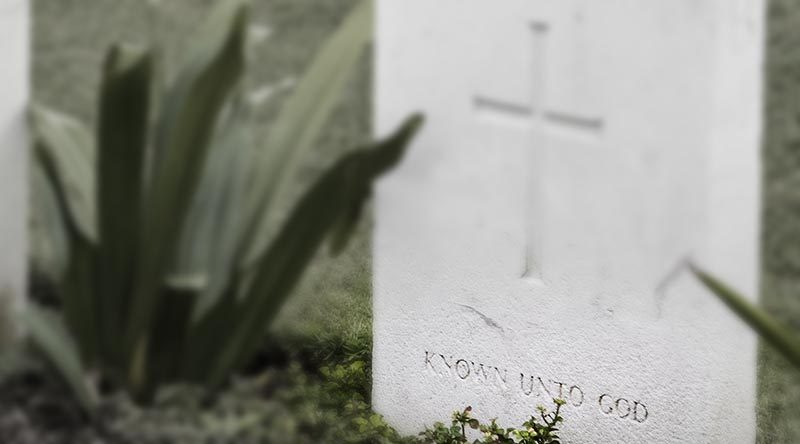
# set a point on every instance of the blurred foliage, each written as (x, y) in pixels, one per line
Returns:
(330, 314)
(178, 253)
(779, 382)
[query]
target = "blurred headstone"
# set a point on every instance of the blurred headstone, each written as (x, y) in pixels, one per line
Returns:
(531, 245)
(14, 57)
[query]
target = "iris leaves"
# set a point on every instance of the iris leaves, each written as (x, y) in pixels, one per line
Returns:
(168, 273)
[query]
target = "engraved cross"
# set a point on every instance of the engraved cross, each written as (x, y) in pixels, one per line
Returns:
(543, 118)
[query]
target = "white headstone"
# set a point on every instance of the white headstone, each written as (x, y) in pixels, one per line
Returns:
(529, 247)
(14, 52)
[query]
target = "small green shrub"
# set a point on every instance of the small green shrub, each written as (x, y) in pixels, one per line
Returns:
(333, 407)
(537, 430)
(352, 379)
(168, 255)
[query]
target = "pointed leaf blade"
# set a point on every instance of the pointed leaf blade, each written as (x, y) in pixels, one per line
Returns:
(66, 149)
(301, 121)
(49, 231)
(759, 320)
(50, 336)
(122, 136)
(342, 188)
(182, 146)
(208, 241)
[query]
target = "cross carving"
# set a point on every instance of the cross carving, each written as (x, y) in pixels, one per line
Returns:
(546, 120)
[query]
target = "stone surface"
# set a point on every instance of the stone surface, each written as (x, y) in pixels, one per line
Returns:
(529, 247)
(14, 44)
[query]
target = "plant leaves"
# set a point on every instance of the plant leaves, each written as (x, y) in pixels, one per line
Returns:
(206, 341)
(207, 248)
(66, 155)
(80, 310)
(299, 124)
(763, 323)
(171, 327)
(49, 335)
(49, 236)
(122, 140)
(66, 150)
(192, 108)
(331, 198)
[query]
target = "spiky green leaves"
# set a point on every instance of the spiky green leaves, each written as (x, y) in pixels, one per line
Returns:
(122, 137)
(192, 107)
(327, 204)
(299, 125)
(66, 152)
(170, 273)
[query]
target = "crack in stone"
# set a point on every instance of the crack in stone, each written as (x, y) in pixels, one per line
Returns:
(489, 321)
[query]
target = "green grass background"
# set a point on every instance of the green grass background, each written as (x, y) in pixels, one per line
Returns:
(332, 308)
(779, 384)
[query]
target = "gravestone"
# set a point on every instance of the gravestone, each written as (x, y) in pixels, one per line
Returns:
(14, 24)
(531, 245)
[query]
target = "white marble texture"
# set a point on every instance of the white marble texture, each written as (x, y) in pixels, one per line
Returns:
(575, 152)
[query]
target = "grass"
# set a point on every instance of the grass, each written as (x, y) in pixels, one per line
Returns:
(779, 383)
